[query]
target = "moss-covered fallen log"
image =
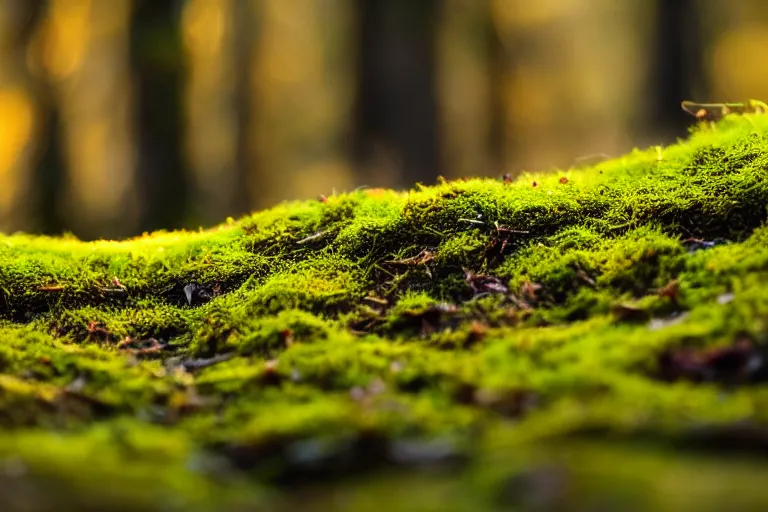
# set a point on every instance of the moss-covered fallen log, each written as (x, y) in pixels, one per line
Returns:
(575, 340)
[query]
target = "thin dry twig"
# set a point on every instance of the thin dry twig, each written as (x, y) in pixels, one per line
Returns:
(315, 236)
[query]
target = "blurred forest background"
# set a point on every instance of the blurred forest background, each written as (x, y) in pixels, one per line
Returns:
(121, 116)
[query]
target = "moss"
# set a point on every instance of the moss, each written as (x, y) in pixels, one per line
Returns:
(595, 338)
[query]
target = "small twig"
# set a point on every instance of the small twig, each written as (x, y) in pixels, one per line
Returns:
(196, 364)
(376, 300)
(473, 221)
(505, 229)
(115, 291)
(422, 258)
(141, 347)
(53, 288)
(315, 236)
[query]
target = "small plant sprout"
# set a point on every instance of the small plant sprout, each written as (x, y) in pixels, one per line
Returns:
(715, 111)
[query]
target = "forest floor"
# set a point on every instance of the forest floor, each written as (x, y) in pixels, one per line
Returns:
(595, 339)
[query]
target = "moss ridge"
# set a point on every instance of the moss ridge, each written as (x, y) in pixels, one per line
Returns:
(468, 324)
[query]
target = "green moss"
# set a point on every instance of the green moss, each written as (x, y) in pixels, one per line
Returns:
(601, 328)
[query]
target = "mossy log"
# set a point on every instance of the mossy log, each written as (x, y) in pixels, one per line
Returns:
(589, 339)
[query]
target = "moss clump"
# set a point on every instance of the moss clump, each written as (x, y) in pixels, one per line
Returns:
(595, 338)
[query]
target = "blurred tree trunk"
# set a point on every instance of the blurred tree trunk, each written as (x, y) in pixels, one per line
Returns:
(218, 35)
(677, 71)
(157, 63)
(470, 70)
(300, 90)
(568, 92)
(396, 111)
(245, 166)
(497, 71)
(735, 36)
(49, 170)
(21, 115)
(82, 48)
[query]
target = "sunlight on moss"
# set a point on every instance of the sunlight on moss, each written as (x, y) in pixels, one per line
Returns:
(379, 333)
